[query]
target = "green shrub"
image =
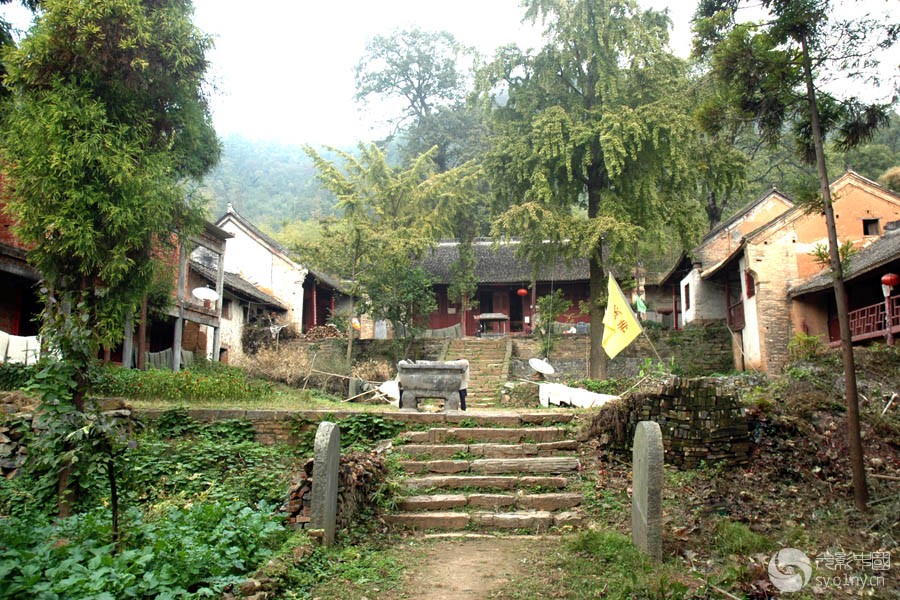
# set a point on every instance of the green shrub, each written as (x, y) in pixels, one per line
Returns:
(14, 376)
(221, 383)
(803, 347)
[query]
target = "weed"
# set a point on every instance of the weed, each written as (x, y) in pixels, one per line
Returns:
(736, 538)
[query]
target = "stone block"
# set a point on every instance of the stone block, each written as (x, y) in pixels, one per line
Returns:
(647, 481)
(326, 476)
(436, 502)
(491, 500)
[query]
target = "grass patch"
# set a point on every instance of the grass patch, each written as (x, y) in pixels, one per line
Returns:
(736, 538)
(597, 564)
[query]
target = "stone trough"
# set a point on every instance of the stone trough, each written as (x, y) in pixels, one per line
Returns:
(429, 379)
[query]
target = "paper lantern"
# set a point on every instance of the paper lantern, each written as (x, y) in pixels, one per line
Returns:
(522, 292)
(890, 279)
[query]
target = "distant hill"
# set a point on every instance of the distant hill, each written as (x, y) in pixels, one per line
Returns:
(269, 183)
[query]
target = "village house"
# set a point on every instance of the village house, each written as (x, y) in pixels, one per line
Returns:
(243, 306)
(744, 269)
(507, 289)
(266, 264)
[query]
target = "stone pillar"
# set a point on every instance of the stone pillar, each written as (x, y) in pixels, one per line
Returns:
(326, 468)
(647, 481)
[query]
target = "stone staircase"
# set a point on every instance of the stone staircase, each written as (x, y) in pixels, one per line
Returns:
(492, 479)
(488, 366)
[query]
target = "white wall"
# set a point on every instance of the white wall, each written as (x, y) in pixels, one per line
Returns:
(707, 299)
(271, 272)
(751, 337)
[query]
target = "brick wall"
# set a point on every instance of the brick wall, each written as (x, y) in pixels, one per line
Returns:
(701, 420)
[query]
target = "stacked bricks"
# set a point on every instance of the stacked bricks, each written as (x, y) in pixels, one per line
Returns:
(701, 420)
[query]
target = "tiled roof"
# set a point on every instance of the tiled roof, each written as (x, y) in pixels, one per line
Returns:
(499, 264)
(253, 229)
(878, 254)
(238, 286)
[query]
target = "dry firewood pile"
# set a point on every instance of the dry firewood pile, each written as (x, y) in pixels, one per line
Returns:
(360, 475)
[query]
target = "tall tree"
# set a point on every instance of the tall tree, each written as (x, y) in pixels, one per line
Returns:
(774, 70)
(423, 77)
(589, 139)
(107, 119)
(387, 217)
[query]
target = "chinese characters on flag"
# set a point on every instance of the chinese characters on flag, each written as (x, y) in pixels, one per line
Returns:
(620, 326)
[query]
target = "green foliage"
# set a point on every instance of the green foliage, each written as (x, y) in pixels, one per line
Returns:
(343, 571)
(650, 367)
(591, 139)
(601, 386)
(550, 307)
(804, 347)
(362, 431)
(736, 538)
(822, 255)
(222, 383)
(174, 552)
(96, 142)
(270, 184)
(15, 376)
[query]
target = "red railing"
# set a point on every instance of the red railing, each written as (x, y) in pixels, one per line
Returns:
(869, 322)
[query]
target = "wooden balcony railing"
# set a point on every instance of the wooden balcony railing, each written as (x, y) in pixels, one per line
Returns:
(869, 322)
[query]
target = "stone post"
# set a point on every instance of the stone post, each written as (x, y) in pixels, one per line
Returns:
(326, 466)
(647, 481)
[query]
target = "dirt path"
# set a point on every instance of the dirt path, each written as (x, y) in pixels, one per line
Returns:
(466, 569)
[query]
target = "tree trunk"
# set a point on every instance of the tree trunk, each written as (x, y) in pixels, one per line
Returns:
(860, 489)
(350, 330)
(599, 362)
(142, 337)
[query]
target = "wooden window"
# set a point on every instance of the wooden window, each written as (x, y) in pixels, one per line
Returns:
(749, 283)
(871, 227)
(687, 296)
(226, 309)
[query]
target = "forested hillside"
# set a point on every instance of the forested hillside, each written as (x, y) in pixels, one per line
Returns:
(269, 183)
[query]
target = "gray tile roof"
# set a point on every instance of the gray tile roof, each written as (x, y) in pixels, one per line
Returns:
(499, 264)
(238, 286)
(878, 254)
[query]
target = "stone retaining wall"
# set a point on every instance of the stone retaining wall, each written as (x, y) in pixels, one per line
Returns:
(697, 349)
(701, 420)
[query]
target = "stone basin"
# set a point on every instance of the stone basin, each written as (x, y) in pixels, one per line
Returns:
(429, 379)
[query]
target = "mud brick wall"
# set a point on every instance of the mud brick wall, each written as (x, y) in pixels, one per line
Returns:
(701, 420)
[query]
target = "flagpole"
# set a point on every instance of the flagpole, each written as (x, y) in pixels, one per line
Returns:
(649, 341)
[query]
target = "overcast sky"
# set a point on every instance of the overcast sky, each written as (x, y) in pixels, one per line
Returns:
(283, 69)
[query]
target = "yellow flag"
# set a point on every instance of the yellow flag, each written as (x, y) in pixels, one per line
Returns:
(620, 326)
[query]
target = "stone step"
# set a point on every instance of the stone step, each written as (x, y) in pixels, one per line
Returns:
(537, 520)
(495, 482)
(442, 502)
(438, 451)
(547, 465)
(444, 435)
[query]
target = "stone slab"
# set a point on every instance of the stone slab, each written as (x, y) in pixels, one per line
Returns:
(326, 475)
(435, 466)
(499, 482)
(436, 502)
(491, 500)
(550, 502)
(432, 450)
(647, 481)
(537, 519)
(429, 520)
(488, 466)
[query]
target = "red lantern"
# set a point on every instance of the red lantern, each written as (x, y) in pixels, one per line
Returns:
(522, 292)
(890, 279)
